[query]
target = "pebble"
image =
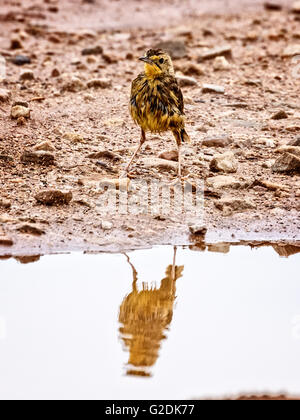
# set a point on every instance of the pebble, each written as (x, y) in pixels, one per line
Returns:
(31, 229)
(198, 229)
(295, 142)
(296, 7)
(74, 137)
(19, 111)
(158, 163)
(98, 50)
(287, 163)
(55, 73)
(291, 51)
(169, 155)
(192, 69)
(105, 154)
(280, 115)
(54, 198)
(15, 43)
(45, 146)
(224, 163)
(294, 150)
(120, 183)
(207, 88)
(220, 63)
(72, 84)
(217, 141)
(6, 241)
(5, 204)
(223, 181)
(234, 204)
(106, 225)
(101, 83)
(26, 75)
(225, 51)
(40, 157)
(4, 95)
(273, 5)
(186, 81)
(21, 60)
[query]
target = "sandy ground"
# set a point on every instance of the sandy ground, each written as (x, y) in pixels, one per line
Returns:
(79, 106)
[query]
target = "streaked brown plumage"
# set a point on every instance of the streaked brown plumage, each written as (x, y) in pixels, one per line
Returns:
(145, 316)
(156, 102)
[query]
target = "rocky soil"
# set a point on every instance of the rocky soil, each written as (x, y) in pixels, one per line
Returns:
(65, 125)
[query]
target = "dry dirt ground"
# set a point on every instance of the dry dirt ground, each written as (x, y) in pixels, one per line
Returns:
(83, 57)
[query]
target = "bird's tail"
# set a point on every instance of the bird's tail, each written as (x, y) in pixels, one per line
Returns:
(185, 138)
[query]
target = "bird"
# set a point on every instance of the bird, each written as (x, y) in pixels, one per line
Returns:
(145, 316)
(156, 102)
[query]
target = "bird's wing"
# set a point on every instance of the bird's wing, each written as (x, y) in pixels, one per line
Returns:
(176, 94)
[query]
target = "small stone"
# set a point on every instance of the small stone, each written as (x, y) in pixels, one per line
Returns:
(296, 7)
(213, 89)
(217, 141)
(21, 60)
(220, 63)
(295, 142)
(105, 154)
(106, 225)
(273, 5)
(272, 186)
(31, 229)
(73, 84)
(6, 241)
(192, 69)
(169, 155)
(291, 51)
(224, 163)
(55, 73)
(199, 230)
(21, 103)
(4, 95)
(287, 163)
(19, 111)
(152, 163)
(118, 183)
(223, 181)
(5, 204)
(26, 75)
(40, 158)
(225, 51)
(294, 150)
(177, 49)
(45, 146)
(6, 158)
(280, 115)
(15, 43)
(54, 198)
(92, 51)
(234, 204)
(101, 83)
(74, 137)
(186, 81)
(110, 58)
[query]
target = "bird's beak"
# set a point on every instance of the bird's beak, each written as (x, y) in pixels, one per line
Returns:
(146, 60)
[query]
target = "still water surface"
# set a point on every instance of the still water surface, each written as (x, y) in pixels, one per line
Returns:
(151, 324)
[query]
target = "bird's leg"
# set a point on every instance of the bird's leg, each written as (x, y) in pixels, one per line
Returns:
(142, 141)
(179, 161)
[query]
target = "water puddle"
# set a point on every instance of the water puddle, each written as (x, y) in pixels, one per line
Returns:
(165, 323)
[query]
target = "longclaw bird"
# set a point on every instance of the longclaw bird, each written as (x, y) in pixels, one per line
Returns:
(156, 102)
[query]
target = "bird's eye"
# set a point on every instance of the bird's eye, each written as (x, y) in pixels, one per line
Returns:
(161, 61)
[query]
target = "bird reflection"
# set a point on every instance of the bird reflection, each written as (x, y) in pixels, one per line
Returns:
(145, 316)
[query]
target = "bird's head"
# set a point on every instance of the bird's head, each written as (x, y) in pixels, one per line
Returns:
(157, 62)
